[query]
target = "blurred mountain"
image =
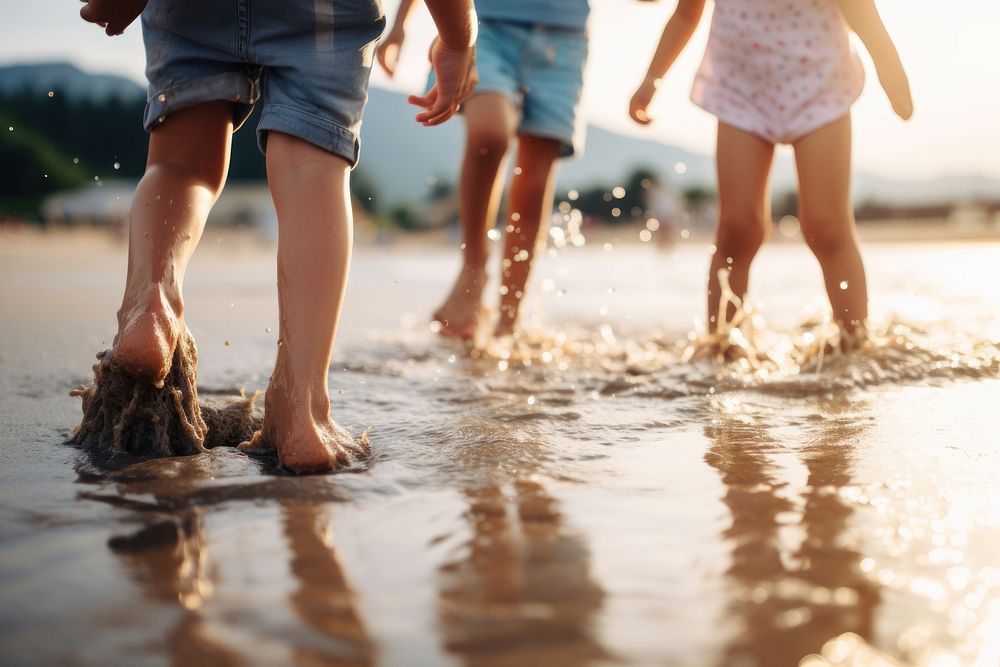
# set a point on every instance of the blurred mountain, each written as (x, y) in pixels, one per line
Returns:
(401, 161)
(40, 78)
(406, 159)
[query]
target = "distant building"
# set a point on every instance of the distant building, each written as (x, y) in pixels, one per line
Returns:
(242, 205)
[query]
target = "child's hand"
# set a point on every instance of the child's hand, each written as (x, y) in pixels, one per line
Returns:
(455, 79)
(112, 15)
(387, 52)
(897, 89)
(641, 100)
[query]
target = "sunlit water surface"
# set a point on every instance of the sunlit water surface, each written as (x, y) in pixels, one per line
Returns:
(603, 491)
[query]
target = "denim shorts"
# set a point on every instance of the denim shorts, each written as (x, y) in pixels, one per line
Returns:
(306, 61)
(540, 68)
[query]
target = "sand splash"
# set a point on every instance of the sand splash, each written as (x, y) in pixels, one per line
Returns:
(125, 415)
(745, 353)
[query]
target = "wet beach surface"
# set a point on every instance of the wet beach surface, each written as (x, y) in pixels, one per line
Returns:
(588, 498)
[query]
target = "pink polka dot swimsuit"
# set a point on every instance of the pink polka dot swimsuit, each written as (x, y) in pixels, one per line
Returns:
(779, 69)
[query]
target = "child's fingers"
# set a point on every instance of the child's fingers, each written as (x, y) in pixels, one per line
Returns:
(639, 113)
(388, 56)
(89, 14)
(438, 107)
(442, 110)
(443, 117)
(425, 101)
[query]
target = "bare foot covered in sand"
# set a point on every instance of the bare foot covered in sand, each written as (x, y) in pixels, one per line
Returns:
(304, 442)
(148, 329)
(127, 414)
(459, 315)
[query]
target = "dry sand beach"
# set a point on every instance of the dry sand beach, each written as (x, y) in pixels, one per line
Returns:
(594, 497)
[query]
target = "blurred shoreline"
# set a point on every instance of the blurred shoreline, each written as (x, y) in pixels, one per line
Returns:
(893, 231)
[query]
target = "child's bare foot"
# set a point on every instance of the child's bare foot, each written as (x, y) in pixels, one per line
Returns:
(147, 334)
(305, 442)
(460, 312)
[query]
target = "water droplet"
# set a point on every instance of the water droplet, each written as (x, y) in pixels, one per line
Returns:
(161, 97)
(680, 168)
(685, 233)
(227, 343)
(518, 171)
(645, 236)
(572, 195)
(452, 358)
(531, 399)
(618, 192)
(267, 330)
(52, 93)
(608, 247)
(76, 160)
(117, 165)
(515, 216)
(652, 224)
(843, 284)
(11, 128)
(493, 234)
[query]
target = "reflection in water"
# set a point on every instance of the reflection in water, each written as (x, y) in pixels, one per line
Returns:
(323, 600)
(796, 577)
(168, 561)
(519, 590)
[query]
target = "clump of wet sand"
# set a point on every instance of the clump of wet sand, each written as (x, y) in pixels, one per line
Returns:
(128, 415)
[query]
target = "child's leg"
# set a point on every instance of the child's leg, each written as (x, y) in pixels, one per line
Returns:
(490, 120)
(823, 160)
(310, 190)
(185, 171)
(744, 166)
(531, 193)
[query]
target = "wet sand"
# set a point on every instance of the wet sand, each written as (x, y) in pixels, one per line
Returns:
(587, 500)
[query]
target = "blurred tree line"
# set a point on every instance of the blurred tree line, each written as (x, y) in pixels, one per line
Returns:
(50, 142)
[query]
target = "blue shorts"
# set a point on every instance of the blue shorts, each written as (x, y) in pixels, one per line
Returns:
(540, 68)
(306, 61)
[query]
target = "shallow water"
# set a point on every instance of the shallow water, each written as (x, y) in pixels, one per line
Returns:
(587, 497)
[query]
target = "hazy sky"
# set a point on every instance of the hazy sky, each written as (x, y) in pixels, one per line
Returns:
(950, 49)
